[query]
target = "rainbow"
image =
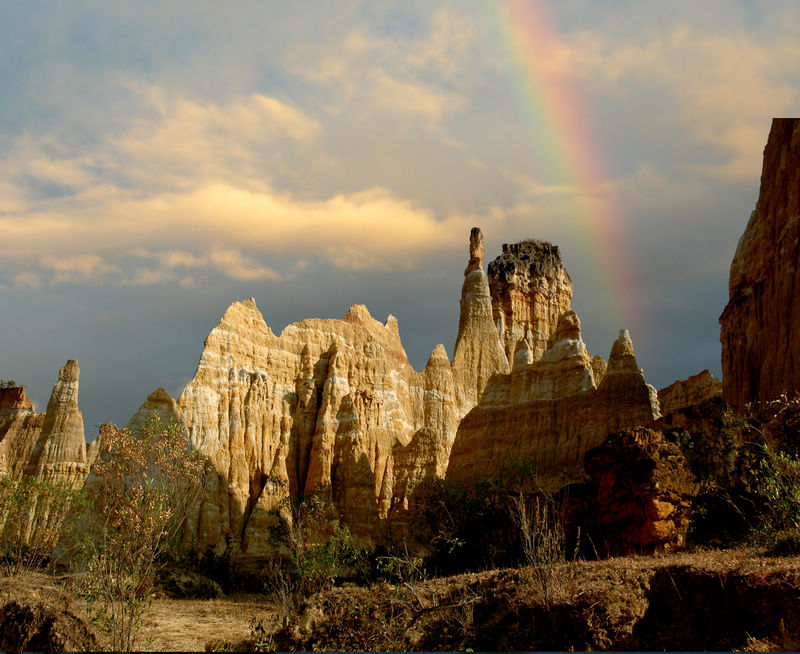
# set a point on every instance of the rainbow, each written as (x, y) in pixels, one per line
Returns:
(567, 155)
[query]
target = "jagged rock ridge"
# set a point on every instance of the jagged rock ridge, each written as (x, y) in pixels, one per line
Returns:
(335, 404)
(548, 413)
(760, 350)
(689, 392)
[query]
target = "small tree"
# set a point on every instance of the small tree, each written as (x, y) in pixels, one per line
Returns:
(32, 516)
(137, 497)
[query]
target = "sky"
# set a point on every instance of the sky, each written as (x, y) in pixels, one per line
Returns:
(159, 161)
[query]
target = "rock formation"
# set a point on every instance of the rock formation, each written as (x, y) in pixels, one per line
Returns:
(644, 490)
(759, 326)
(328, 404)
(334, 406)
(51, 445)
(530, 290)
(548, 413)
(689, 392)
(478, 353)
(158, 403)
(13, 401)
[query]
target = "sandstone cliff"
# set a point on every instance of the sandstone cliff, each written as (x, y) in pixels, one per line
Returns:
(548, 413)
(760, 350)
(50, 445)
(335, 406)
(327, 404)
(689, 392)
(530, 290)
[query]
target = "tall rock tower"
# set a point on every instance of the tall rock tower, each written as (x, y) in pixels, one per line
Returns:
(530, 290)
(760, 324)
(478, 353)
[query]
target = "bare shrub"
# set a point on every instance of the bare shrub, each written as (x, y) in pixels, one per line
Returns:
(542, 539)
(33, 514)
(138, 495)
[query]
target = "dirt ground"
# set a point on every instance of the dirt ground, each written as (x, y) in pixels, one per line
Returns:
(733, 599)
(188, 625)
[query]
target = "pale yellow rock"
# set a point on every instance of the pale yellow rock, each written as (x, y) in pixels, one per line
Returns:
(530, 290)
(478, 353)
(158, 403)
(548, 414)
(325, 404)
(335, 406)
(49, 446)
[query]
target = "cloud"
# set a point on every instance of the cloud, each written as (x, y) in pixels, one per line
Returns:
(713, 88)
(77, 269)
(416, 77)
(27, 280)
(236, 266)
(185, 138)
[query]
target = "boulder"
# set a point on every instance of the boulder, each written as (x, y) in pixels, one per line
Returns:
(643, 492)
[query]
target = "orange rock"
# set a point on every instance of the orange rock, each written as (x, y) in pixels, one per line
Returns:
(689, 392)
(759, 326)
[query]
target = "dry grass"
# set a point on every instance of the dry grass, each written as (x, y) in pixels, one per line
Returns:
(187, 625)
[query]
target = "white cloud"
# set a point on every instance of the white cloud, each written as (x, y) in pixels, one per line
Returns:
(77, 269)
(717, 89)
(416, 77)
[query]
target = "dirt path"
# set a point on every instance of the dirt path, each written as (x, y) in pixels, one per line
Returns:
(187, 625)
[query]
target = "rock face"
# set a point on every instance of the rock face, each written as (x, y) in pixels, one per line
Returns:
(478, 353)
(49, 446)
(643, 495)
(689, 392)
(760, 350)
(530, 290)
(14, 400)
(160, 403)
(334, 406)
(327, 404)
(548, 413)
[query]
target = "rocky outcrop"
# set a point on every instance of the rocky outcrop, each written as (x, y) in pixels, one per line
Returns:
(530, 290)
(49, 446)
(325, 405)
(478, 353)
(689, 392)
(644, 491)
(334, 406)
(760, 350)
(160, 404)
(548, 413)
(13, 400)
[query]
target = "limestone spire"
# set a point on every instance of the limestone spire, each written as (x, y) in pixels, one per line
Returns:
(60, 453)
(478, 353)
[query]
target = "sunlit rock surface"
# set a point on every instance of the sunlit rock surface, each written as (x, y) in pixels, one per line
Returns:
(545, 415)
(530, 290)
(49, 446)
(689, 392)
(760, 324)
